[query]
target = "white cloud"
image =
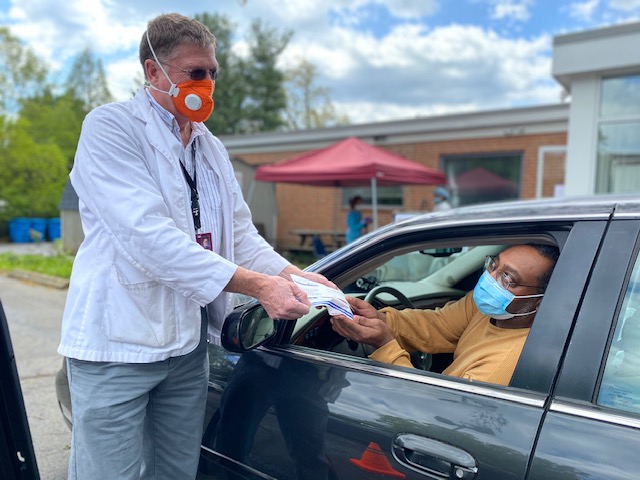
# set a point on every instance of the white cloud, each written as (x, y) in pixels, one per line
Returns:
(411, 9)
(403, 9)
(125, 77)
(583, 10)
(625, 5)
(420, 71)
(366, 112)
(57, 31)
(511, 10)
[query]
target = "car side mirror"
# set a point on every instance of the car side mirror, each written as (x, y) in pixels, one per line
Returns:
(247, 328)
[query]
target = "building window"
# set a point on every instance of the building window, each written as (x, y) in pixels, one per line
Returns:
(619, 136)
(483, 178)
(387, 196)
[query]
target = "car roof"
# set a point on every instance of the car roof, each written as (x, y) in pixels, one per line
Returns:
(545, 211)
(566, 209)
(593, 207)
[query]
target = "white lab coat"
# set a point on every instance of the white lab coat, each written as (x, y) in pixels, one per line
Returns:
(139, 278)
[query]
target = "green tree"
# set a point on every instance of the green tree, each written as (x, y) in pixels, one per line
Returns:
(22, 74)
(308, 105)
(54, 119)
(265, 108)
(231, 88)
(249, 95)
(32, 175)
(88, 82)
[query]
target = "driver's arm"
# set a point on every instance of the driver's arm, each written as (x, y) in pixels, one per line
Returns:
(392, 353)
(430, 331)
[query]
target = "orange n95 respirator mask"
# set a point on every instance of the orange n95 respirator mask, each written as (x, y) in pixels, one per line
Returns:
(191, 98)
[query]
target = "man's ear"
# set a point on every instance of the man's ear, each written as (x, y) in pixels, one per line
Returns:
(151, 70)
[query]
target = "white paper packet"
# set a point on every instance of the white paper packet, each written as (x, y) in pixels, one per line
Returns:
(322, 296)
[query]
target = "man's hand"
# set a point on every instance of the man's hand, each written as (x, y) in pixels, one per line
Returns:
(280, 297)
(364, 309)
(283, 299)
(372, 331)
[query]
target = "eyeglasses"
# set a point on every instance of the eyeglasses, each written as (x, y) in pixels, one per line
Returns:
(503, 278)
(198, 73)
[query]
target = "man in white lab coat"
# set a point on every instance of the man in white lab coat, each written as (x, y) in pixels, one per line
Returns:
(168, 237)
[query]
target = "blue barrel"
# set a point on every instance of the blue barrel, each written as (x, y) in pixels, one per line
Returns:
(39, 229)
(53, 229)
(19, 230)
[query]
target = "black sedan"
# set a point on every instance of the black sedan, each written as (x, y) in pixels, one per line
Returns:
(17, 456)
(294, 400)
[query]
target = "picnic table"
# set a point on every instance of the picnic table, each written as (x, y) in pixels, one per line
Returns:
(332, 239)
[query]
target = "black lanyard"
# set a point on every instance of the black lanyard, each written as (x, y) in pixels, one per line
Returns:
(192, 182)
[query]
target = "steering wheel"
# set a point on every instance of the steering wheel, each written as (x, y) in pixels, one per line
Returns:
(419, 360)
(390, 290)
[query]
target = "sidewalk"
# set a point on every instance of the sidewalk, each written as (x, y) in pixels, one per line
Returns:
(31, 248)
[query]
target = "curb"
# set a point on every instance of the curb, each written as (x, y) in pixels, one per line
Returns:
(40, 278)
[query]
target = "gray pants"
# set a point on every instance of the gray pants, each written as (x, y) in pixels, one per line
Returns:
(138, 421)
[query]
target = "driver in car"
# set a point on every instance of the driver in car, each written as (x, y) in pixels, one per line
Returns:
(485, 330)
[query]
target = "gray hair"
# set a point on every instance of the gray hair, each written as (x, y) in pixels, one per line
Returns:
(168, 31)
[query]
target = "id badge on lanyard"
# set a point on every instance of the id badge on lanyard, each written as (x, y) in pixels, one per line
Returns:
(204, 239)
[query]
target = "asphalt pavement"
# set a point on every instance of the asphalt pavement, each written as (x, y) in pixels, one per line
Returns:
(34, 314)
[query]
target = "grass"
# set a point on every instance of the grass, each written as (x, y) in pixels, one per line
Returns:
(55, 265)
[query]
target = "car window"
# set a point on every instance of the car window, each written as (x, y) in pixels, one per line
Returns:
(423, 275)
(428, 276)
(620, 386)
(425, 271)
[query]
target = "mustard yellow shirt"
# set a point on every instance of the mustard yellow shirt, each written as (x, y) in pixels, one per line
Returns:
(481, 351)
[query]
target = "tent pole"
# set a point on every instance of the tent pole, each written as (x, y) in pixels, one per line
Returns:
(252, 189)
(337, 193)
(374, 201)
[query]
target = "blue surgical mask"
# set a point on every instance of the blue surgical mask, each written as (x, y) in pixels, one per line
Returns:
(492, 299)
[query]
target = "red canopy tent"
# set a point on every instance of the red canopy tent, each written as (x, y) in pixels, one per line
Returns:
(350, 163)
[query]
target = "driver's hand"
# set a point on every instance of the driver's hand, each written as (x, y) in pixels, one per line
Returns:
(360, 307)
(371, 331)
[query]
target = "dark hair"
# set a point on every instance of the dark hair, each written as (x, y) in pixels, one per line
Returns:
(167, 32)
(550, 252)
(354, 200)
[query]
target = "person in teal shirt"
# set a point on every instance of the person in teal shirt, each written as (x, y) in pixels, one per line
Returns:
(356, 225)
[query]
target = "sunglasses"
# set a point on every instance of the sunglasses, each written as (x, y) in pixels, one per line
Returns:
(198, 73)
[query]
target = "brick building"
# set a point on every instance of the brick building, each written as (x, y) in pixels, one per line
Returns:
(522, 148)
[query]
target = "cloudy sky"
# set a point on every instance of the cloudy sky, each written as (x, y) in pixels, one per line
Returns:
(380, 59)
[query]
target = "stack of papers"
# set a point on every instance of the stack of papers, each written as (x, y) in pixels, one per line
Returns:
(322, 296)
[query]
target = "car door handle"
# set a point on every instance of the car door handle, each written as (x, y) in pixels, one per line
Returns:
(436, 459)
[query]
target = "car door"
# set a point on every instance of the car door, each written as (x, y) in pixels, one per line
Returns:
(17, 457)
(592, 429)
(294, 410)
